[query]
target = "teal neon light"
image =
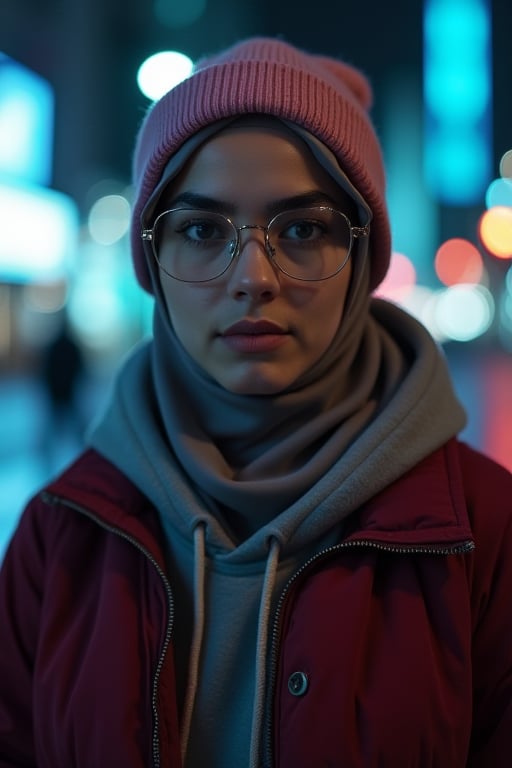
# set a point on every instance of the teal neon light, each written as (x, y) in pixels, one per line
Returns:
(26, 123)
(457, 99)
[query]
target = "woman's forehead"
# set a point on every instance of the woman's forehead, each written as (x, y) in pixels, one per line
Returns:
(254, 157)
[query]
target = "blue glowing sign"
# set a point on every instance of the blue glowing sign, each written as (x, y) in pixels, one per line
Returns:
(38, 233)
(26, 123)
(458, 99)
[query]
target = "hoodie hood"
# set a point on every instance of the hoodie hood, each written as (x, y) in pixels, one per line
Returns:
(422, 412)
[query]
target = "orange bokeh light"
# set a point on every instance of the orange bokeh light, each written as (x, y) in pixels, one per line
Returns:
(495, 229)
(458, 261)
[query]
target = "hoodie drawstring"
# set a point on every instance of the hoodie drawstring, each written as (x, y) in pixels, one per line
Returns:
(267, 591)
(197, 637)
(269, 581)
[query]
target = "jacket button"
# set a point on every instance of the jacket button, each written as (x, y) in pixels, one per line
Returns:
(298, 683)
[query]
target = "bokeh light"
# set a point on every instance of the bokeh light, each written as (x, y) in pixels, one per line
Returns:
(452, 27)
(456, 165)
(453, 94)
(95, 311)
(499, 192)
(109, 219)
(40, 241)
(400, 278)
(162, 71)
(26, 123)
(495, 230)
(457, 87)
(46, 297)
(505, 312)
(508, 280)
(464, 312)
(506, 165)
(420, 303)
(458, 261)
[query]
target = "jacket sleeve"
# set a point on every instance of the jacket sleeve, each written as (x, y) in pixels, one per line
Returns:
(490, 506)
(21, 590)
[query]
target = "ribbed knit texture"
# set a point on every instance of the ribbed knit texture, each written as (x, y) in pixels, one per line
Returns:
(329, 98)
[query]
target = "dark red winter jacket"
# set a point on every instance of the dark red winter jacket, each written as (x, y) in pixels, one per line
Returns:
(398, 641)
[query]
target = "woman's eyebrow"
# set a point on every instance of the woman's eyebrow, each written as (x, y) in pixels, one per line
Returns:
(301, 200)
(206, 203)
(202, 202)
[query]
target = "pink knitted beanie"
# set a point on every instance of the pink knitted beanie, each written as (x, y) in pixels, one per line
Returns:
(328, 98)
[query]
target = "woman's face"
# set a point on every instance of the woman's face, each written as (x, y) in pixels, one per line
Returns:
(286, 324)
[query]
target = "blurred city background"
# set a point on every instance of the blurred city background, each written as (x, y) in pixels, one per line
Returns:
(76, 77)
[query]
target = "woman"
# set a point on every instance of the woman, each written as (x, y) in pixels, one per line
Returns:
(275, 552)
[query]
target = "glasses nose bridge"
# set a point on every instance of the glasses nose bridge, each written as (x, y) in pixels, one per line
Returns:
(262, 228)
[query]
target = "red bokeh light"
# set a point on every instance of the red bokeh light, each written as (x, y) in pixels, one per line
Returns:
(458, 261)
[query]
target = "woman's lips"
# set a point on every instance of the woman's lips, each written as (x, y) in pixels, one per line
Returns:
(251, 336)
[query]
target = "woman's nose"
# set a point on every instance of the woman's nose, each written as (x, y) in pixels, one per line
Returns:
(253, 272)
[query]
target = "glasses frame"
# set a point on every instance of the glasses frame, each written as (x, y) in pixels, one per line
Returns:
(147, 235)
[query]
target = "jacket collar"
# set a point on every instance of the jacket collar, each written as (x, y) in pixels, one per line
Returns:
(93, 486)
(425, 506)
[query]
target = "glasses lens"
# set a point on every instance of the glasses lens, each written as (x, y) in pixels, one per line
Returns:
(310, 243)
(193, 245)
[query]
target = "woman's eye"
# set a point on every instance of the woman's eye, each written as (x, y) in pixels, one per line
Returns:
(200, 230)
(303, 230)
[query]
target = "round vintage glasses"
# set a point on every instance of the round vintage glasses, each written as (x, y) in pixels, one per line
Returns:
(308, 244)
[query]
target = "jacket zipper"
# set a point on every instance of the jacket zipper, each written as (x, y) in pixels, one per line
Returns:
(51, 499)
(414, 549)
